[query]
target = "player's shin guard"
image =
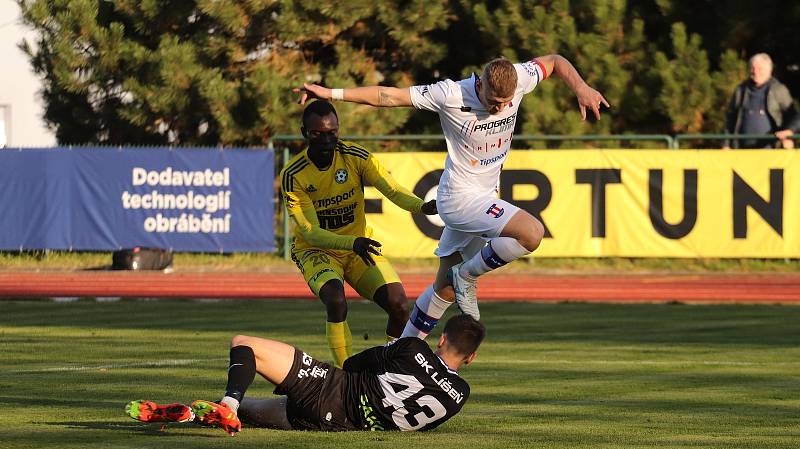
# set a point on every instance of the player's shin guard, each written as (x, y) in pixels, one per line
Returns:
(241, 372)
(340, 341)
(498, 252)
(428, 309)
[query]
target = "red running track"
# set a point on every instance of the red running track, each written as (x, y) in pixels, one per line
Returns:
(695, 288)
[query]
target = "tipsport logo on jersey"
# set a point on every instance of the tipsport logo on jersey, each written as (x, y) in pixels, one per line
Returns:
(489, 161)
(620, 203)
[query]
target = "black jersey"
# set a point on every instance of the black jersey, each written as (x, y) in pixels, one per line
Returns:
(402, 386)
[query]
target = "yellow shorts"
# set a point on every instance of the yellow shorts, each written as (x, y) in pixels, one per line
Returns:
(320, 266)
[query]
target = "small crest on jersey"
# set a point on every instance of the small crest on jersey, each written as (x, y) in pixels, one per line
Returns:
(311, 188)
(340, 176)
(530, 67)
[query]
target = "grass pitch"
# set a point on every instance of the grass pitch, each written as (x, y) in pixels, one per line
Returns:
(549, 375)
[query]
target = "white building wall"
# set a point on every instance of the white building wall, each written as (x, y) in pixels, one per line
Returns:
(21, 107)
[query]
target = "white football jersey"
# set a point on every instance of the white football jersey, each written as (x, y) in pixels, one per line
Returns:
(477, 142)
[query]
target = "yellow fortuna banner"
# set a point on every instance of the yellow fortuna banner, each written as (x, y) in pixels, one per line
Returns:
(627, 203)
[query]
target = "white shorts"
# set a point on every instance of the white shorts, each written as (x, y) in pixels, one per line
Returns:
(470, 221)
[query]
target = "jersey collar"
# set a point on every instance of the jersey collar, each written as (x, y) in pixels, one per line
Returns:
(451, 371)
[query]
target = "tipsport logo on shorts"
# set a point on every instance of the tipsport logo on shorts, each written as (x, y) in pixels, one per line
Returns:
(494, 211)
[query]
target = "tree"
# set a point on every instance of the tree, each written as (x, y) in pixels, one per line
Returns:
(606, 46)
(732, 70)
(220, 72)
(743, 27)
(685, 82)
(216, 72)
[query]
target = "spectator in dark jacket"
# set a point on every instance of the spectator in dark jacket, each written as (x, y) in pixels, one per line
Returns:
(761, 105)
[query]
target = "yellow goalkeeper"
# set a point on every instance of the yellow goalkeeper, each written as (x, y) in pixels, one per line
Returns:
(323, 191)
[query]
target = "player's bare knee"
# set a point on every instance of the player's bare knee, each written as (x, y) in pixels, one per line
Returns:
(240, 340)
(398, 306)
(337, 308)
(533, 238)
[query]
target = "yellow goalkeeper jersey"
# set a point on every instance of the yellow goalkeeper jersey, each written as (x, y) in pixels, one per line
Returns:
(326, 207)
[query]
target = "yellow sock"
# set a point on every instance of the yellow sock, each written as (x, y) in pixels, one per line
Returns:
(340, 341)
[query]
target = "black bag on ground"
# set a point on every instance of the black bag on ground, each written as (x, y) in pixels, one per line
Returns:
(139, 258)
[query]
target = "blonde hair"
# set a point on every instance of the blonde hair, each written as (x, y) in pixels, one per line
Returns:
(500, 77)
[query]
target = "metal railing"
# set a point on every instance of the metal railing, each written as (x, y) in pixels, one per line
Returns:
(671, 142)
(722, 137)
(668, 140)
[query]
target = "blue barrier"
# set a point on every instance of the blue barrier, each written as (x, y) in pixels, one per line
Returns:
(99, 199)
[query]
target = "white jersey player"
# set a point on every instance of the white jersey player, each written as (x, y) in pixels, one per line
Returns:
(477, 140)
(477, 116)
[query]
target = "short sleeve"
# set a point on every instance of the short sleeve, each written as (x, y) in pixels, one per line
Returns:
(530, 74)
(430, 97)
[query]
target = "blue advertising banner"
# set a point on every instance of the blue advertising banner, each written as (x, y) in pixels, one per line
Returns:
(195, 200)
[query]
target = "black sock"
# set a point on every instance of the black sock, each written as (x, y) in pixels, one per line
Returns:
(241, 372)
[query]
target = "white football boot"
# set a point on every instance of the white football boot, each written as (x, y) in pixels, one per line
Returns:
(466, 292)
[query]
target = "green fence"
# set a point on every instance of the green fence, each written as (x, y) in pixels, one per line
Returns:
(718, 139)
(667, 140)
(663, 140)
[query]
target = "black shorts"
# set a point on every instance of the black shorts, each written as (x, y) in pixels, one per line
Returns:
(316, 395)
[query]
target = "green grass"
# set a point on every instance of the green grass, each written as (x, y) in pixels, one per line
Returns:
(564, 375)
(64, 260)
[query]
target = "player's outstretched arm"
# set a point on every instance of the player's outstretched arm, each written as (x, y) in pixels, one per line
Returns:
(588, 97)
(381, 179)
(372, 95)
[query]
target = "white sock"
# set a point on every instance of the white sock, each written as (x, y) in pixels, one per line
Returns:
(498, 252)
(231, 402)
(428, 308)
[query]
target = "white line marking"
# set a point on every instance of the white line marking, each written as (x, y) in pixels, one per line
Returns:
(188, 362)
(639, 362)
(155, 364)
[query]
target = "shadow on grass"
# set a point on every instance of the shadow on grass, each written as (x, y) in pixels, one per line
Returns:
(754, 325)
(747, 414)
(151, 429)
(51, 402)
